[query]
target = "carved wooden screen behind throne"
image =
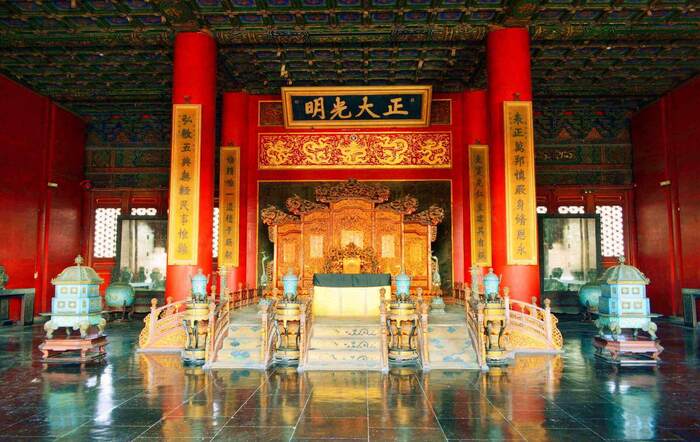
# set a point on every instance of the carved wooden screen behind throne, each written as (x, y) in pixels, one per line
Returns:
(352, 213)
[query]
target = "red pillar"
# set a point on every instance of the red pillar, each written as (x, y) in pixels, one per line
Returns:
(476, 131)
(194, 82)
(234, 132)
(508, 70)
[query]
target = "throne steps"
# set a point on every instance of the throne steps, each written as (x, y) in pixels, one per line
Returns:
(344, 343)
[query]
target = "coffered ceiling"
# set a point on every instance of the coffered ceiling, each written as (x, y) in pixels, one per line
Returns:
(101, 56)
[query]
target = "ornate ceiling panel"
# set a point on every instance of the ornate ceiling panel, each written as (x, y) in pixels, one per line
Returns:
(102, 56)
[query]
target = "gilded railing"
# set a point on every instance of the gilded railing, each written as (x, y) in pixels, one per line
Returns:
(384, 331)
(218, 327)
(474, 312)
(422, 334)
(163, 330)
(305, 321)
(270, 332)
(532, 327)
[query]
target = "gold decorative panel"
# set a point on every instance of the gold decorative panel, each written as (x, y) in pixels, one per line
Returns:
(350, 150)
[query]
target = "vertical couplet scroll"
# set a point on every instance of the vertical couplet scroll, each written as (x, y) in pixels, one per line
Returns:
(480, 205)
(229, 195)
(521, 218)
(183, 227)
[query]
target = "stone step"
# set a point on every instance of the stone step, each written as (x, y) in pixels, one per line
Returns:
(317, 355)
(456, 331)
(324, 343)
(449, 346)
(343, 366)
(353, 331)
(241, 343)
(239, 358)
(244, 330)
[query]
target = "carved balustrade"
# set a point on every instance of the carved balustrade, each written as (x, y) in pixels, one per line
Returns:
(163, 331)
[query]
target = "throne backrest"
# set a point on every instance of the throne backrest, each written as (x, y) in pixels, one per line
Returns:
(351, 259)
(352, 265)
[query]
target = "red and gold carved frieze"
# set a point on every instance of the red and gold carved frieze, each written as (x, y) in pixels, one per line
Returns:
(349, 150)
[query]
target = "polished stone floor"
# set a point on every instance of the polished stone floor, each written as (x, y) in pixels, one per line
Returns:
(136, 396)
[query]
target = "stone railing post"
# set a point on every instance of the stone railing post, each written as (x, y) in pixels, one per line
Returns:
(506, 301)
(382, 320)
(424, 310)
(152, 320)
(211, 326)
(548, 320)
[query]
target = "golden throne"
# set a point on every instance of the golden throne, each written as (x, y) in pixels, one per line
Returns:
(351, 259)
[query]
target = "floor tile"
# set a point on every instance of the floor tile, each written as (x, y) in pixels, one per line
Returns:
(335, 409)
(559, 435)
(245, 434)
(91, 431)
(186, 428)
(406, 434)
(479, 429)
(342, 427)
(266, 417)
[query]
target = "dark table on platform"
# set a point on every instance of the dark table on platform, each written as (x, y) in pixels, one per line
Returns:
(690, 313)
(352, 280)
(26, 311)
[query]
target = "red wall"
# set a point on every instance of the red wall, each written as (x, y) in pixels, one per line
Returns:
(41, 143)
(666, 142)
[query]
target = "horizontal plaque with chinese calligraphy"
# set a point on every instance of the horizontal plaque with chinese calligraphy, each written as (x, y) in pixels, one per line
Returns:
(183, 218)
(521, 218)
(361, 106)
(349, 150)
(480, 205)
(229, 197)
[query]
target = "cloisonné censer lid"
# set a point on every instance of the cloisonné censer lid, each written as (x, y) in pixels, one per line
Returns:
(623, 274)
(77, 274)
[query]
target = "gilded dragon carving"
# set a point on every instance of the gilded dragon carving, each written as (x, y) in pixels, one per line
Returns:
(332, 192)
(277, 153)
(317, 152)
(406, 205)
(298, 205)
(392, 151)
(272, 216)
(430, 217)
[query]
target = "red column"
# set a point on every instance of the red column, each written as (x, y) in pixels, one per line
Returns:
(508, 70)
(476, 131)
(234, 132)
(194, 82)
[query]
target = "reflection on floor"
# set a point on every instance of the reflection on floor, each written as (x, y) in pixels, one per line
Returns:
(569, 397)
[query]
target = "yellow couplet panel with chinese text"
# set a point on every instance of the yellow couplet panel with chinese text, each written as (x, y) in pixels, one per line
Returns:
(480, 205)
(521, 218)
(229, 196)
(183, 218)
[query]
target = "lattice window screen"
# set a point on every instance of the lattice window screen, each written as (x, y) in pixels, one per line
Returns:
(105, 245)
(144, 211)
(541, 209)
(573, 210)
(215, 234)
(612, 237)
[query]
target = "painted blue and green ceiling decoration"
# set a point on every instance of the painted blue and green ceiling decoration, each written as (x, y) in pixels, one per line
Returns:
(107, 59)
